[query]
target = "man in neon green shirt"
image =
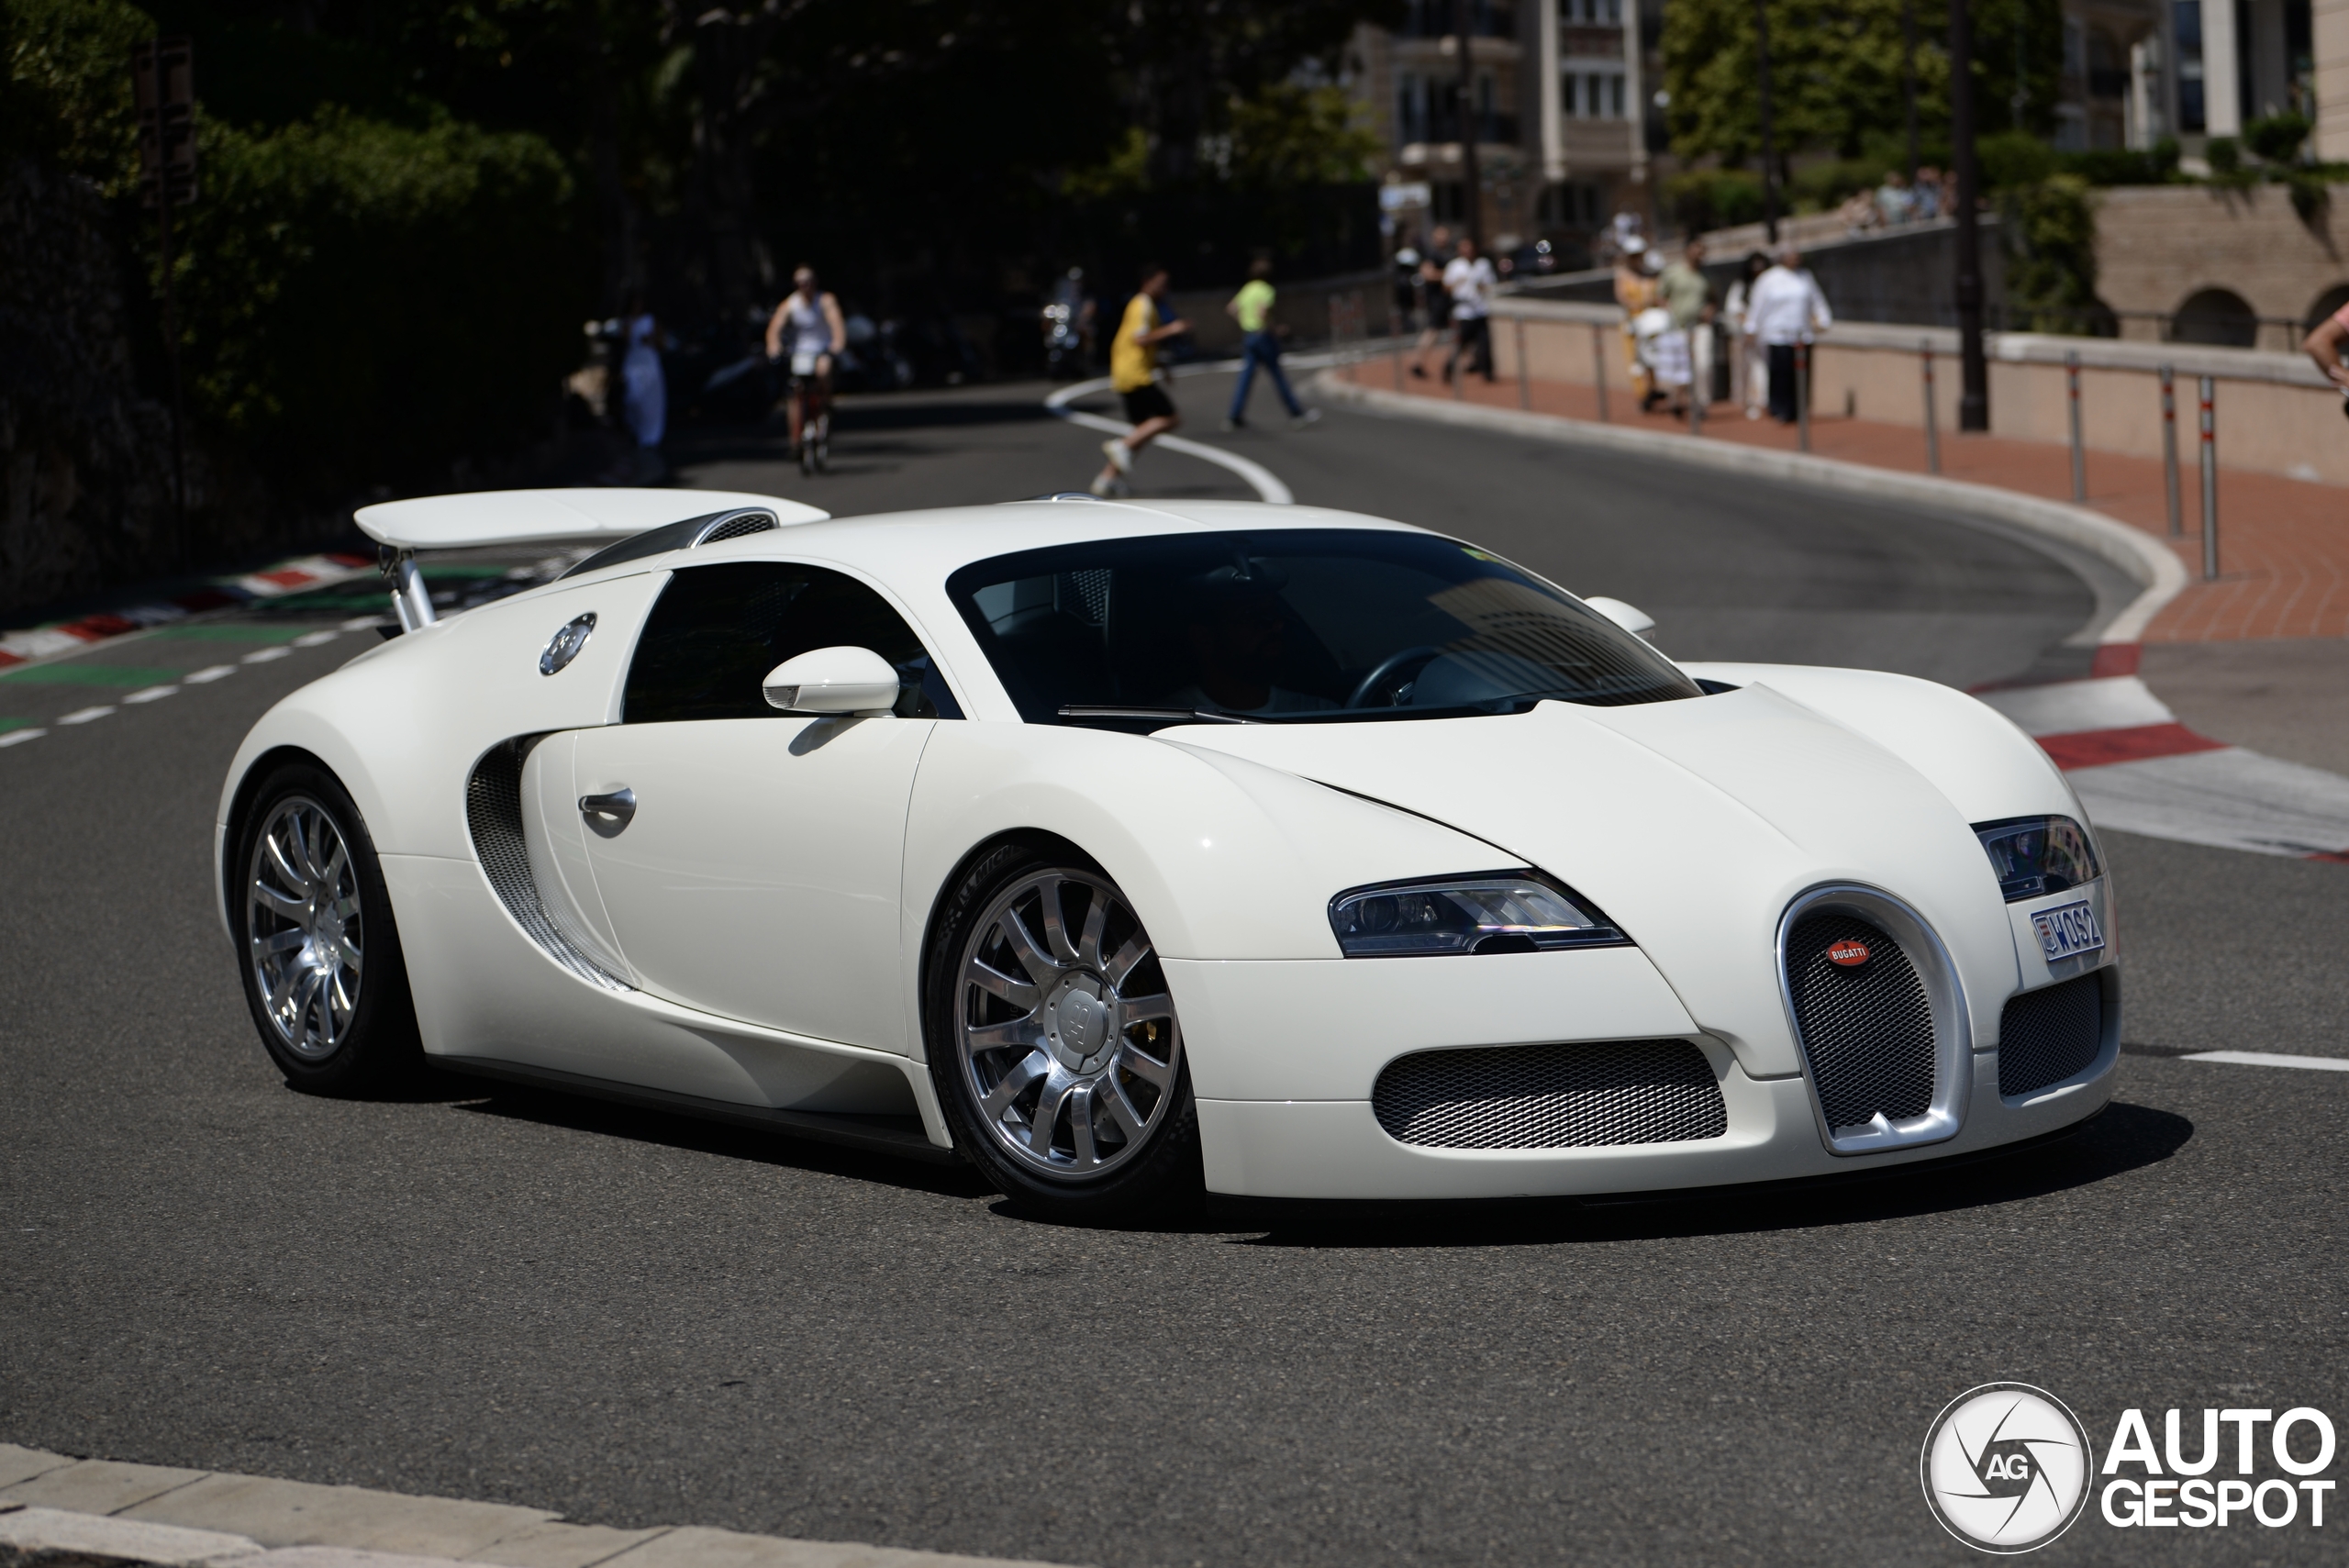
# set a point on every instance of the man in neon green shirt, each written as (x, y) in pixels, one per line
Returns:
(1252, 308)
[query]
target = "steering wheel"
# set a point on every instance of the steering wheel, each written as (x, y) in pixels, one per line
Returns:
(1391, 668)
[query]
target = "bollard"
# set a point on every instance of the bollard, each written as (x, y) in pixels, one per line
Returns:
(1599, 366)
(1802, 393)
(1932, 427)
(2079, 451)
(2169, 451)
(2210, 486)
(1398, 364)
(1698, 390)
(1524, 382)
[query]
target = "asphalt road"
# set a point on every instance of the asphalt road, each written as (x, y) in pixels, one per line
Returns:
(640, 1319)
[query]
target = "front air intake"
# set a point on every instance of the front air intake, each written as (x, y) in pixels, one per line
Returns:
(2051, 1034)
(1552, 1096)
(1865, 1023)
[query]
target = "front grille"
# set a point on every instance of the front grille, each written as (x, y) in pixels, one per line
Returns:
(1552, 1096)
(494, 815)
(2047, 1036)
(1867, 1032)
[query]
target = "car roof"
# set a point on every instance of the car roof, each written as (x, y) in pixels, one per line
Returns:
(928, 544)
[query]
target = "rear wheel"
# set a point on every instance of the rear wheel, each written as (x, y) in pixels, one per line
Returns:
(320, 958)
(1053, 1043)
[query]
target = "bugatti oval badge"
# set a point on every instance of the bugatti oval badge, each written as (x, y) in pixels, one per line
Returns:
(1848, 953)
(564, 646)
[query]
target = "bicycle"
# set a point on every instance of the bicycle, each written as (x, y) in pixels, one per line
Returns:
(812, 404)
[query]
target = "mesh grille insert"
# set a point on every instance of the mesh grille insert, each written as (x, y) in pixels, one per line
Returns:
(1552, 1096)
(1867, 1032)
(494, 816)
(737, 526)
(2047, 1035)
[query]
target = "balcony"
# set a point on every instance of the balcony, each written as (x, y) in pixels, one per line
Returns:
(1440, 18)
(1442, 125)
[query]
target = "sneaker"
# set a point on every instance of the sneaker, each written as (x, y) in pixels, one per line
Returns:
(1120, 456)
(1311, 416)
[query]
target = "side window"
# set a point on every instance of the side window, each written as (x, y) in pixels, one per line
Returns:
(717, 630)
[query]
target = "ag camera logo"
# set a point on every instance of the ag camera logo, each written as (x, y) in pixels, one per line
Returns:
(2006, 1467)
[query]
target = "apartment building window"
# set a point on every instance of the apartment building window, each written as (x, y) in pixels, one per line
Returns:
(1591, 13)
(2188, 19)
(1411, 109)
(1593, 91)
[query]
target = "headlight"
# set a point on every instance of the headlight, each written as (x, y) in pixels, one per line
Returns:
(2036, 855)
(1509, 911)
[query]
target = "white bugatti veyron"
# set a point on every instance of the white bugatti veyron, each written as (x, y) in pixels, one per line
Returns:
(1119, 847)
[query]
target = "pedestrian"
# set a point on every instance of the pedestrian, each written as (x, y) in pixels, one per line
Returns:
(1689, 298)
(1635, 291)
(2324, 344)
(1929, 191)
(1783, 309)
(1133, 375)
(1752, 371)
(1469, 281)
(644, 391)
(1259, 345)
(1437, 313)
(1895, 200)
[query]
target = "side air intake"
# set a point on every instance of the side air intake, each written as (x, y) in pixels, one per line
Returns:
(494, 815)
(1552, 1096)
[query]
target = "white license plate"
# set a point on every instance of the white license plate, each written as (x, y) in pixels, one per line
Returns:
(2067, 930)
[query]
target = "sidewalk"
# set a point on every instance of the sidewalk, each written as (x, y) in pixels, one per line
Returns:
(2283, 544)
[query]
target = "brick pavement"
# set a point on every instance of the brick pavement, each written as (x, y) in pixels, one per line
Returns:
(2284, 543)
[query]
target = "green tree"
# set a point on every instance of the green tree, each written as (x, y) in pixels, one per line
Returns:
(1837, 77)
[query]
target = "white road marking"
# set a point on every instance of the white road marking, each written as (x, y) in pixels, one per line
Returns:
(2231, 799)
(2270, 1059)
(151, 694)
(85, 715)
(19, 736)
(209, 672)
(2070, 707)
(1266, 484)
(362, 623)
(316, 639)
(264, 655)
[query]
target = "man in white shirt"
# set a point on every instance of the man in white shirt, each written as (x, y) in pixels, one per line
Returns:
(1470, 280)
(1784, 308)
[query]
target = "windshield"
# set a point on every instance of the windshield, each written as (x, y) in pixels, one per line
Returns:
(1290, 625)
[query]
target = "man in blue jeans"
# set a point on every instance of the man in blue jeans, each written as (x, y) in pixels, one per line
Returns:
(1252, 308)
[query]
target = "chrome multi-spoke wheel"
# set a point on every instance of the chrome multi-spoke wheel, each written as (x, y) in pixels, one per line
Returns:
(305, 935)
(1063, 1033)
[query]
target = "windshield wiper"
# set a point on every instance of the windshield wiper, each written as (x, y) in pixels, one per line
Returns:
(1173, 715)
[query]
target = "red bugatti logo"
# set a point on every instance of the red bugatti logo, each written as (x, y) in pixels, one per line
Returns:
(1847, 953)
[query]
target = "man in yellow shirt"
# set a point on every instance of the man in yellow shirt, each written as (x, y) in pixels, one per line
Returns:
(1252, 308)
(1133, 372)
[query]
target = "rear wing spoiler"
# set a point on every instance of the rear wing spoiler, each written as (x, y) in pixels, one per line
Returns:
(507, 518)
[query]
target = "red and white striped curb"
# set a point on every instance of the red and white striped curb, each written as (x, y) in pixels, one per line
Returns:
(295, 577)
(2138, 770)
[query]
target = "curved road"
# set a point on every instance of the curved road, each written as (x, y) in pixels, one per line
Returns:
(637, 1319)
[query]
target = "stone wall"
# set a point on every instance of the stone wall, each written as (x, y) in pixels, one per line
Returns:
(2158, 245)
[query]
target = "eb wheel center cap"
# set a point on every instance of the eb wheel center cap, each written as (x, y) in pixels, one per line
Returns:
(1076, 1026)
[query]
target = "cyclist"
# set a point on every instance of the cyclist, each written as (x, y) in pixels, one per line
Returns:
(807, 328)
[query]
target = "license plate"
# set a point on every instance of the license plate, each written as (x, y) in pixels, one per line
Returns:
(2067, 929)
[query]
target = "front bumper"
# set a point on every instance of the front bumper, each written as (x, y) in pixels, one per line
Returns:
(1263, 1135)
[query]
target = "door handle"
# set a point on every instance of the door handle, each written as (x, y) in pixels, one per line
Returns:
(607, 815)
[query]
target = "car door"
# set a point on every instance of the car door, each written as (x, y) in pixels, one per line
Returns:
(749, 860)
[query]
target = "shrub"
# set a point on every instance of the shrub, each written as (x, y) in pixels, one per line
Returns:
(2049, 232)
(2276, 139)
(1704, 199)
(2014, 158)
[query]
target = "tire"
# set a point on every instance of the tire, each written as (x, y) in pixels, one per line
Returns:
(1065, 1018)
(316, 947)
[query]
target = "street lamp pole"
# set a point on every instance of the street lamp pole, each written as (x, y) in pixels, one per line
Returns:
(1974, 396)
(1471, 191)
(1769, 146)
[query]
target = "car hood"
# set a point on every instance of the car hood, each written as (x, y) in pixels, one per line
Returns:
(1692, 824)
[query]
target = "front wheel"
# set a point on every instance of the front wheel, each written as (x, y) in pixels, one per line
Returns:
(1053, 1043)
(323, 973)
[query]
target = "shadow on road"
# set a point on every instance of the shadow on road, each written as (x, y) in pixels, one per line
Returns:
(2124, 1138)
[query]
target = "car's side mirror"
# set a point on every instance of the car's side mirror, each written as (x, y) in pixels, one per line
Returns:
(833, 680)
(1631, 617)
